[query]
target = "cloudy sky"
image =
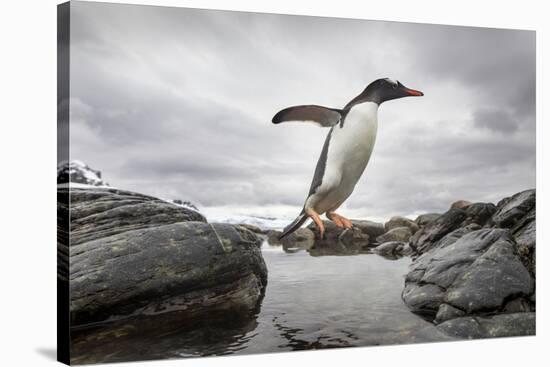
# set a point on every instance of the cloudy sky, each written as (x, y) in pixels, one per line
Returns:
(177, 103)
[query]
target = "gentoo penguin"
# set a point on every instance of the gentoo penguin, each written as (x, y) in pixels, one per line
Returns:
(347, 149)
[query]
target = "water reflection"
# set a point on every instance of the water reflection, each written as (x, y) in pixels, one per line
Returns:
(163, 336)
(317, 297)
(320, 342)
(325, 247)
(336, 248)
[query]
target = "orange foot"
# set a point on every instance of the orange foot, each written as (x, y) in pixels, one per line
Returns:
(317, 219)
(339, 220)
(336, 219)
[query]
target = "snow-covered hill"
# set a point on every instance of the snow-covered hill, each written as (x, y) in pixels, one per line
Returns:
(78, 172)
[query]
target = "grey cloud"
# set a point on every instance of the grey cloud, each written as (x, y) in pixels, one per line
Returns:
(178, 103)
(497, 120)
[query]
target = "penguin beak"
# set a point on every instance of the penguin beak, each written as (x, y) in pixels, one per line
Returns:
(412, 92)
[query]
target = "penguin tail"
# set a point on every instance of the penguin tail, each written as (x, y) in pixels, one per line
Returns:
(297, 223)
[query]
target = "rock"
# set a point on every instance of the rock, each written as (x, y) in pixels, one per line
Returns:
(63, 243)
(389, 248)
(370, 228)
(474, 216)
(424, 219)
(476, 272)
(102, 212)
(451, 237)
(423, 299)
(525, 230)
(513, 324)
(460, 204)
(273, 237)
(407, 250)
(132, 254)
(78, 172)
(510, 210)
(401, 234)
(336, 248)
(447, 312)
(397, 221)
(479, 213)
(252, 228)
(302, 239)
(425, 238)
(354, 237)
(192, 266)
(525, 234)
(186, 204)
(518, 305)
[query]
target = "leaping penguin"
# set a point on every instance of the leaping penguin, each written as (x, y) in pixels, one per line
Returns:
(347, 149)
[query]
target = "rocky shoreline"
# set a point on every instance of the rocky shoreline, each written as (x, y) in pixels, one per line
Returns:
(131, 255)
(473, 267)
(472, 273)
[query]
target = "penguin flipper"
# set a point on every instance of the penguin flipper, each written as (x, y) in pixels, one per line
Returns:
(297, 223)
(323, 116)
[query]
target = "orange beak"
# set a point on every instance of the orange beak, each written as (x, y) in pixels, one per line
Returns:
(412, 92)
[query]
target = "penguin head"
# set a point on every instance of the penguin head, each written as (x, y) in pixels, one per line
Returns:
(386, 89)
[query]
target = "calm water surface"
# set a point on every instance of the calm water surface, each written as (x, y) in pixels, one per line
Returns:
(311, 302)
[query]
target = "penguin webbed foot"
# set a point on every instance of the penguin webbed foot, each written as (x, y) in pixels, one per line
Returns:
(339, 220)
(318, 222)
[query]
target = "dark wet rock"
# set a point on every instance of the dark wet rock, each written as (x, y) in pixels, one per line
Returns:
(424, 299)
(302, 239)
(370, 228)
(336, 248)
(476, 272)
(473, 214)
(519, 304)
(191, 266)
(407, 250)
(392, 248)
(401, 234)
(63, 224)
(186, 204)
(424, 239)
(340, 241)
(525, 234)
(451, 237)
(335, 237)
(470, 327)
(101, 212)
(424, 219)
(78, 172)
(510, 210)
(460, 204)
(273, 237)
(525, 230)
(356, 236)
(447, 312)
(252, 228)
(397, 221)
(133, 254)
(479, 213)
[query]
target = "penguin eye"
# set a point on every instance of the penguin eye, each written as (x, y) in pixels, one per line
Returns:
(392, 82)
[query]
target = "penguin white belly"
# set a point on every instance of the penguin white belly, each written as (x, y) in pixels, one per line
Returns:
(349, 151)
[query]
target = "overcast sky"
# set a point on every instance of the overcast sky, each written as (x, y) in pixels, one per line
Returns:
(178, 103)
